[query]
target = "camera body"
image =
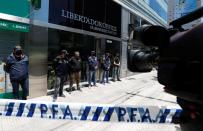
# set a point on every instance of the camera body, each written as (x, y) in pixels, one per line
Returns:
(179, 58)
(178, 53)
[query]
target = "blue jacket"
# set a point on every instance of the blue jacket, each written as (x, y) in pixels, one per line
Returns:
(107, 63)
(93, 63)
(18, 70)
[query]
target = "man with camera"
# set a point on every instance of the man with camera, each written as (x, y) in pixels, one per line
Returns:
(17, 67)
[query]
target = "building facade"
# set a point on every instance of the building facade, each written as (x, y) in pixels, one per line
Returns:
(179, 8)
(74, 25)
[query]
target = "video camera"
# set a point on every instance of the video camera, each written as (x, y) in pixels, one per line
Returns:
(177, 52)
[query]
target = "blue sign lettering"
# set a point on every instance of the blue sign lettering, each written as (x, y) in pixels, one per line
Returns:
(145, 115)
(31, 110)
(85, 113)
(162, 116)
(10, 109)
(43, 110)
(132, 113)
(20, 109)
(109, 114)
(97, 114)
(121, 113)
(54, 110)
(67, 112)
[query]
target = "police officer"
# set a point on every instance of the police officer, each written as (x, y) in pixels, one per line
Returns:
(17, 67)
(61, 68)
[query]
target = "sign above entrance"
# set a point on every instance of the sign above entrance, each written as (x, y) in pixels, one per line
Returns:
(14, 15)
(101, 16)
(8, 25)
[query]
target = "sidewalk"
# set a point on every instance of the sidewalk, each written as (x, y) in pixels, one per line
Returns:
(85, 84)
(138, 90)
(85, 88)
(117, 92)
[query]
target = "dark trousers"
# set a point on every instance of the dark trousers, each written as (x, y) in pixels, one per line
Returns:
(92, 77)
(116, 73)
(25, 88)
(59, 83)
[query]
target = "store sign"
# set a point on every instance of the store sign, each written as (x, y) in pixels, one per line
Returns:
(101, 16)
(8, 25)
(18, 8)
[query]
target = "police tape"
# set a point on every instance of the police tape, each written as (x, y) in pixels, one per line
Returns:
(88, 112)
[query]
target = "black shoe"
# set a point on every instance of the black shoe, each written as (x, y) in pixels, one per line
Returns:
(54, 98)
(62, 95)
(119, 79)
(79, 89)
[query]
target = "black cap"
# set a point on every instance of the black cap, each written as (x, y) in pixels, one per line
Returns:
(17, 48)
(64, 52)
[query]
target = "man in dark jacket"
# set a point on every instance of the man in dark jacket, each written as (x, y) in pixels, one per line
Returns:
(93, 64)
(75, 68)
(17, 67)
(61, 68)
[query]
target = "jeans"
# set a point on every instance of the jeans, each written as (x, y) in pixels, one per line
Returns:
(105, 75)
(59, 83)
(116, 73)
(24, 85)
(92, 77)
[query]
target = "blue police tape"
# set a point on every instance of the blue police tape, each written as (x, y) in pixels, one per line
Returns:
(88, 112)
